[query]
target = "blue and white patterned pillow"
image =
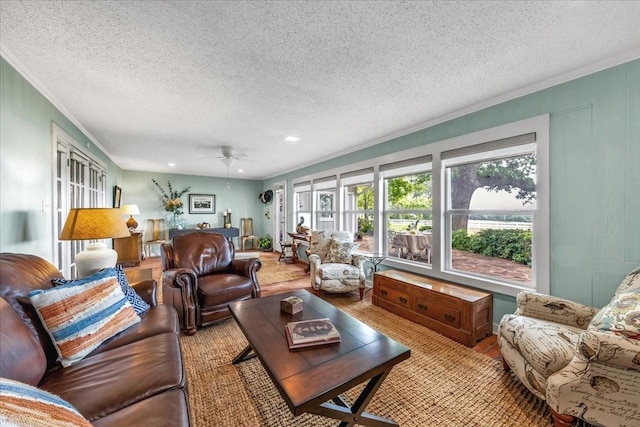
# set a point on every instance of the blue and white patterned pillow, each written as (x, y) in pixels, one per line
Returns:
(139, 305)
(82, 314)
(24, 405)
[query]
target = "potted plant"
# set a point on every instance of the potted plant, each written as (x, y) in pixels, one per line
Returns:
(265, 243)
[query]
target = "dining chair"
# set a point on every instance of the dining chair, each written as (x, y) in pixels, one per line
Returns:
(397, 243)
(246, 225)
(156, 234)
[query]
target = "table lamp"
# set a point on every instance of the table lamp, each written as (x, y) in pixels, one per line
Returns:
(93, 224)
(131, 210)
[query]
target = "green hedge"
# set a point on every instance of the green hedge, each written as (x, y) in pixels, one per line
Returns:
(514, 245)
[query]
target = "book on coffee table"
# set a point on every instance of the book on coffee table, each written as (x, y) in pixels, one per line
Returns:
(307, 333)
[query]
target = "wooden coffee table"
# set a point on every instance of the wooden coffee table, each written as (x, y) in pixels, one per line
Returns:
(312, 379)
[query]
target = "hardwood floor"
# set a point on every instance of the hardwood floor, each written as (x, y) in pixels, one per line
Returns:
(488, 346)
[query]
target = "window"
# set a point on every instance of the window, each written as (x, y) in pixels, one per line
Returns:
(472, 209)
(490, 209)
(358, 203)
(302, 204)
(408, 209)
(325, 208)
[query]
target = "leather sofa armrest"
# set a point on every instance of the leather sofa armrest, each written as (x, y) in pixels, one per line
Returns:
(186, 280)
(148, 291)
(245, 267)
(554, 309)
(249, 268)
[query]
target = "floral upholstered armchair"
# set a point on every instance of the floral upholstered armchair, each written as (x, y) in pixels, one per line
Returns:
(334, 266)
(583, 361)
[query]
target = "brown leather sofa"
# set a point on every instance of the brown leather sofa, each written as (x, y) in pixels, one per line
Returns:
(201, 277)
(136, 378)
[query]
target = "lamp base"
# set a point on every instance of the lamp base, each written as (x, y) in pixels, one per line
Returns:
(131, 223)
(94, 258)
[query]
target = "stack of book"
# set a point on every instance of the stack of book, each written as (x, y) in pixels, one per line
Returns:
(307, 333)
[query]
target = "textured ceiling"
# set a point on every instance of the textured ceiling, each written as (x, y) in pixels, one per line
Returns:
(153, 82)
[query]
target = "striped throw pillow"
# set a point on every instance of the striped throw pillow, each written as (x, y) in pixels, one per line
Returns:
(82, 314)
(139, 305)
(25, 405)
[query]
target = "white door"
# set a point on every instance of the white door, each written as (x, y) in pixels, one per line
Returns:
(280, 217)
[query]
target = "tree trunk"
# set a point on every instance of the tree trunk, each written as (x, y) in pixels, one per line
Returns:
(464, 182)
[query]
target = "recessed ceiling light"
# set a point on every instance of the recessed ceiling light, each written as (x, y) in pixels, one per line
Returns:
(240, 170)
(292, 139)
(172, 164)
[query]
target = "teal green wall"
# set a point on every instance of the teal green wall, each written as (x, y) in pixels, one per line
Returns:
(595, 178)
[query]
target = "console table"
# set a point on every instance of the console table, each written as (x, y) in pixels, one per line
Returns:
(460, 313)
(226, 232)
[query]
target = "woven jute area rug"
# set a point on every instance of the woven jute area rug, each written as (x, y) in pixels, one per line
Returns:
(442, 384)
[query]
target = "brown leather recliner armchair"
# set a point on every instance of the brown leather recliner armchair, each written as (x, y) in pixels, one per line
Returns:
(200, 278)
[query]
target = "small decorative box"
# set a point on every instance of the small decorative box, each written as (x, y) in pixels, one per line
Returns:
(291, 305)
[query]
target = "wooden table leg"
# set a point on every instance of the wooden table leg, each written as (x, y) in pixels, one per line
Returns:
(244, 355)
(354, 414)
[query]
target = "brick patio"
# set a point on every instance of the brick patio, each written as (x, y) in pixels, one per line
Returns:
(477, 264)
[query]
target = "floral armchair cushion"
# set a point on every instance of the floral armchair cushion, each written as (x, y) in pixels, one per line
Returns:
(340, 252)
(621, 316)
(320, 241)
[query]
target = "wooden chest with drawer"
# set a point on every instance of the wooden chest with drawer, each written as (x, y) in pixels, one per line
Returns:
(460, 313)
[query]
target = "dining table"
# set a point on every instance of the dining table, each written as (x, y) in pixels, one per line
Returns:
(418, 245)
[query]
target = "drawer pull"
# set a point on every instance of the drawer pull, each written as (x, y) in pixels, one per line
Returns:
(422, 307)
(403, 300)
(450, 318)
(383, 292)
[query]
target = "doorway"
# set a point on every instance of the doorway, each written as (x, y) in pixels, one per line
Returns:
(280, 216)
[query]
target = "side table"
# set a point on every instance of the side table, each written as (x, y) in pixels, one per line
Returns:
(129, 249)
(375, 259)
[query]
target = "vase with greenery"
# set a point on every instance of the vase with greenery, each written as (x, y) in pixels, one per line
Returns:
(265, 243)
(172, 204)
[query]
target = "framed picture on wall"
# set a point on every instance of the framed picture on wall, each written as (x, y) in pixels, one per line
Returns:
(117, 196)
(202, 203)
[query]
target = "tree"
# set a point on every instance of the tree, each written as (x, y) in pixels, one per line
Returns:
(364, 196)
(410, 192)
(512, 174)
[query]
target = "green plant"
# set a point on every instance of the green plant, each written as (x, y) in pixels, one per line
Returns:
(514, 245)
(171, 199)
(365, 226)
(265, 242)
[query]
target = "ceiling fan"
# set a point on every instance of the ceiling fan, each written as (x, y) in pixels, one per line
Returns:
(228, 157)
